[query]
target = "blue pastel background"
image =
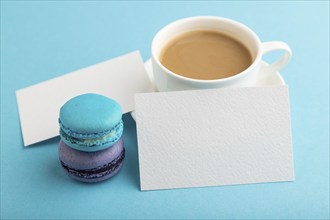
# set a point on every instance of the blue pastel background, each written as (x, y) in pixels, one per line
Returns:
(43, 40)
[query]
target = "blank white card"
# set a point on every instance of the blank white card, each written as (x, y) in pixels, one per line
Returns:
(214, 137)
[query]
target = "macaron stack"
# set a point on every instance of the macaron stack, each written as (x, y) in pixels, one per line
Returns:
(91, 148)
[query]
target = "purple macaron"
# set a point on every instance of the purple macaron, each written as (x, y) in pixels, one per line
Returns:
(92, 166)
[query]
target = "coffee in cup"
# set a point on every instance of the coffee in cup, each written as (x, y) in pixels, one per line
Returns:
(206, 55)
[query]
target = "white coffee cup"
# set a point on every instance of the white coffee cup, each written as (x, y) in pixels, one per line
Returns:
(166, 80)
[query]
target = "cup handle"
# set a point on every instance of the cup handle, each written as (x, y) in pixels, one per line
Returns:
(277, 45)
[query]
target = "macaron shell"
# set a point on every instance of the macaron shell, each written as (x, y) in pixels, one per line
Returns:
(90, 113)
(88, 160)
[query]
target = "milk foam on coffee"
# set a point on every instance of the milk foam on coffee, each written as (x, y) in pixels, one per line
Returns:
(206, 55)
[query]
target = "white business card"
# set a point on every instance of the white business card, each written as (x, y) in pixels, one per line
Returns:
(214, 137)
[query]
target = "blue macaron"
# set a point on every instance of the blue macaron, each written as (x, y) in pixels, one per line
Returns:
(90, 122)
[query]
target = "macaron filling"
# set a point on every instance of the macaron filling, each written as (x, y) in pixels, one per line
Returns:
(107, 137)
(97, 172)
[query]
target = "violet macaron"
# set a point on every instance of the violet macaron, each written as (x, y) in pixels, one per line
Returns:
(92, 166)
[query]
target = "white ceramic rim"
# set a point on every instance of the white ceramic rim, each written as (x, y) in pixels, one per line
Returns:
(255, 63)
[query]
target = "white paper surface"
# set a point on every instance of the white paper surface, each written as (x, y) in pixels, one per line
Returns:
(39, 105)
(214, 137)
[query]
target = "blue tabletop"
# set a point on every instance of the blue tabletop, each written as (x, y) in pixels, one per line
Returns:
(43, 40)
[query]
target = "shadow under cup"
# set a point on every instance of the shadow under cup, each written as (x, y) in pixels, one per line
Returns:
(167, 80)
